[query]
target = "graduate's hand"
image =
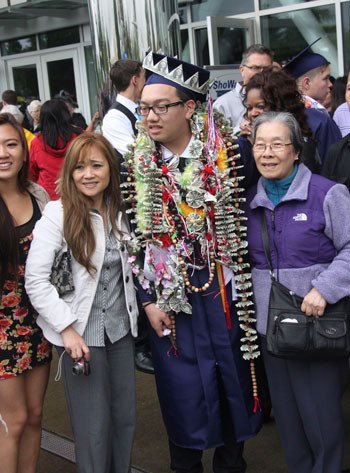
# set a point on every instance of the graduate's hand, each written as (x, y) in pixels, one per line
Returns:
(158, 319)
(314, 303)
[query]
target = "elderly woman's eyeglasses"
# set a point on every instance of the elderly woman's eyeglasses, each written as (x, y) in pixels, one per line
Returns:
(276, 147)
(144, 110)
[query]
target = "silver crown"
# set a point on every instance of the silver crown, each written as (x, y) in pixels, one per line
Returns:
(176, 75)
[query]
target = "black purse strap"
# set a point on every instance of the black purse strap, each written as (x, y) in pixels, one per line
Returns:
(266, 241)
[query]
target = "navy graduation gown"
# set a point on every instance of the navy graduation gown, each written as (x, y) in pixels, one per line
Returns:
(187, 384)
(324, 130)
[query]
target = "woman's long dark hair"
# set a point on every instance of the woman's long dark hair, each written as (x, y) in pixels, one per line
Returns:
(55, 125)
(9, 258)
(280, 93)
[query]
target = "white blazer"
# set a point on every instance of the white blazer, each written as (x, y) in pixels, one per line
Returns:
(56, 313)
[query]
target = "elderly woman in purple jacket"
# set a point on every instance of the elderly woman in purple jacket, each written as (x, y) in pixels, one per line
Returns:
(309, 233)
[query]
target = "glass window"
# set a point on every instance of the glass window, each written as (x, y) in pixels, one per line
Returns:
(288, 33)
(202, 49)
(61, 77)
(185, 45)
(202, 8)
(183, 15)
(17, 46)
(345, 9)
(91, 76)
(231, 44)
(52, 39)
(25, 79)
(279, 3)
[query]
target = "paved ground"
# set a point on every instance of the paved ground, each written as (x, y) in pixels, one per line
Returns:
(150, 454)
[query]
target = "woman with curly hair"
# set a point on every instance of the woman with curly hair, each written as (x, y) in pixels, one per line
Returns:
(276, 91)
(25, 354)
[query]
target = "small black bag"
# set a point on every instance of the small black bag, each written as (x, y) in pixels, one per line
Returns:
(292, 334)
(61, 273)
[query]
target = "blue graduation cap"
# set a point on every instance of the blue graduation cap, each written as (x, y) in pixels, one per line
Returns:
(191, 79)
(305, 61)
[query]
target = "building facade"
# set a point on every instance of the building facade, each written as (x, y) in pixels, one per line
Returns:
(48, 45)
(45, 47)
(216, 31)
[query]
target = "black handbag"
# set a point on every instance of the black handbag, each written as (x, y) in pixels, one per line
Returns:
(61, 273)
(292, 334)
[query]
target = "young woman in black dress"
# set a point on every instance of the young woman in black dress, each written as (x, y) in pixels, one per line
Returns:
(25, 355)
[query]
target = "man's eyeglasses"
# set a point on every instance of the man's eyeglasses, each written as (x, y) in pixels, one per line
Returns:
(276, 147)
(144, 110)
(256, 68)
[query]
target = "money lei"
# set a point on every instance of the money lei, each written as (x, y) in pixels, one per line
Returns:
(143, 192)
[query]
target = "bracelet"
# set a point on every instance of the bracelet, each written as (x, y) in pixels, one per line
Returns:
(147, 304)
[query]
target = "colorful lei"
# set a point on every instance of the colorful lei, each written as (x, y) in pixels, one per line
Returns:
(191, 218)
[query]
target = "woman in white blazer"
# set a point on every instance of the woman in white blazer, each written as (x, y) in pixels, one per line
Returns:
(94, 324)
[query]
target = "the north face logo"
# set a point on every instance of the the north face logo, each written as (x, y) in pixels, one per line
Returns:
(300, 217)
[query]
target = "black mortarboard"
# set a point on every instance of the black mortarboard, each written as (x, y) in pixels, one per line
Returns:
(305, 61)
(191, 79)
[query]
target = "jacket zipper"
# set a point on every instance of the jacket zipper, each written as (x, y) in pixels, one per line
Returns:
(273, 225)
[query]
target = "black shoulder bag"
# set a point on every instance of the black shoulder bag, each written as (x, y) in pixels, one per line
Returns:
(291, 333)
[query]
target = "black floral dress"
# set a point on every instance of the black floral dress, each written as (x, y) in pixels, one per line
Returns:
(22, 344)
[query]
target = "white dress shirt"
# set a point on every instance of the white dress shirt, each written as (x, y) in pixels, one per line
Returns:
(116, 126)
(342, 118)
(231, 105)
(167, 154)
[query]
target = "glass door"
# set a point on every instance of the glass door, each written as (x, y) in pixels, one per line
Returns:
(61, 72)
(25, 77)
(45, 75)
(228, 38)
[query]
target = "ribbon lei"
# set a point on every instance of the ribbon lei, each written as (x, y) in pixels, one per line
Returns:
(223, 294)
(211, 135)
(214, 139)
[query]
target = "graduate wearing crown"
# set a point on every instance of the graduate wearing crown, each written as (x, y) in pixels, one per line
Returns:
(183, 191)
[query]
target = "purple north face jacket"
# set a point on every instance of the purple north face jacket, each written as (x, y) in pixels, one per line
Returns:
(309, 233)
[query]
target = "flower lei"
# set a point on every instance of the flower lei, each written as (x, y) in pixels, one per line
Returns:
(178, 213)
